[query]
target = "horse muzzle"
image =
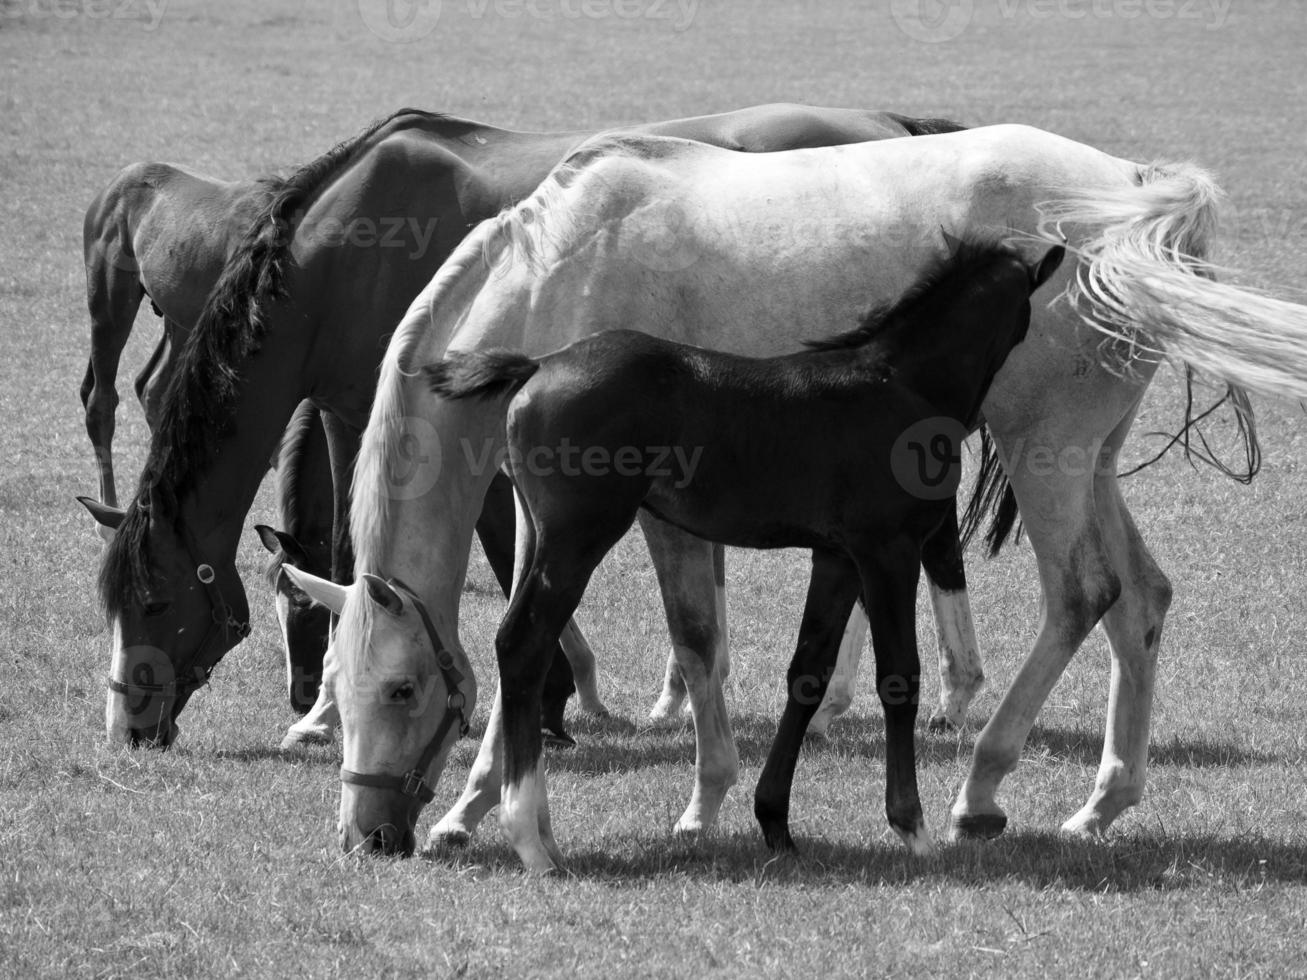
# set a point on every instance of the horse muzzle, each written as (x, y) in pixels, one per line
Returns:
(386, 840)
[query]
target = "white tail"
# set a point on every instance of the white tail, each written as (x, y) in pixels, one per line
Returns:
(1145, 280)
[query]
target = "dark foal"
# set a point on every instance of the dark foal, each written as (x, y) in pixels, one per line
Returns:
(806, 450)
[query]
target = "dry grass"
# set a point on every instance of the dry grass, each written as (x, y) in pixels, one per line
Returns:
(219, 858)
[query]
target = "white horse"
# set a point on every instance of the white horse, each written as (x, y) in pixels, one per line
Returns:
(753, 254)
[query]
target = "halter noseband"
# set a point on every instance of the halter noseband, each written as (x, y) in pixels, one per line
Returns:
(414, 782)
(220, 618)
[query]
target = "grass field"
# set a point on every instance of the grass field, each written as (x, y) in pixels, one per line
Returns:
(219, 858)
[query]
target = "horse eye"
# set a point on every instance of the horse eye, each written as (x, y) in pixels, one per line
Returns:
(402, 693)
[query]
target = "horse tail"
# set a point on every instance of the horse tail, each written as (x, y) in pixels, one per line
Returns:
(481, 374)
(1145, 282)
(991, 495)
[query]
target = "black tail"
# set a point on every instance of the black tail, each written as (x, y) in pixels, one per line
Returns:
(480, 374)
(993, 495)
(926, 127)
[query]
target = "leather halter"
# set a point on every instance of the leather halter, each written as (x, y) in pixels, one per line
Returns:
(414, 782)
(220, 618)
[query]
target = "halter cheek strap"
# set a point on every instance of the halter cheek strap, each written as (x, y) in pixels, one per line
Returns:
(221, 619)
(414, 782)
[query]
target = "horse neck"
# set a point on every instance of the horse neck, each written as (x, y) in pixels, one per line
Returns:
(951, 367)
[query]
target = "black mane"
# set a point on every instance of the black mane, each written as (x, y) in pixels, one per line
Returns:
(198, 398)
(969, 258)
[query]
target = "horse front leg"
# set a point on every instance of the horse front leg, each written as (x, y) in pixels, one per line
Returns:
(960, 671)
(575, 669)
(832, 593)
(688, 577)
(320, 471)
(889, 591)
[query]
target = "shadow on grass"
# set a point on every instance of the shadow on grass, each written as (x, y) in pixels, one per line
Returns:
(615, 744)
(313, 755)
(1139, 863)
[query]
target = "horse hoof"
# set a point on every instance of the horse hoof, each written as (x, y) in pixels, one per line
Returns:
(557, 740)
(940, 723)
(777, 838)
(448, 840)
(1085, 826)
(297, 740)
(977, 826)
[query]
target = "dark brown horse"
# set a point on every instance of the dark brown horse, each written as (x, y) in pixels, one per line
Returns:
(163, 232)
(792, 451)
(303, 309)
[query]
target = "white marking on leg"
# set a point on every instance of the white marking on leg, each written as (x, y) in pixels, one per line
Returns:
(282, 603)
(481, 793)
(519, 817)
(920, 841)
(843, 683)
(960, 672)
(717, 765)
(116, 723)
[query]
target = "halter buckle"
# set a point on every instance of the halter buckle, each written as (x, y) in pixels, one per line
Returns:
(413, 783)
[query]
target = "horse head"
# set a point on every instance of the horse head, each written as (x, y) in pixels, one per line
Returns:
(404, 697)
(175, 606)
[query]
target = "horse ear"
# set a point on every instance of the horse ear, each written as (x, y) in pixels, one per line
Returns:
(1047, 266)
(952, 241)
(281, 541)
(320, 590)
(269, 538)
(380, 591)
(105, 516)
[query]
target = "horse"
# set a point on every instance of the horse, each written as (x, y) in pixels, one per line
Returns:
(730, 251)
(165, 232)
(302, 309)
(793, 451)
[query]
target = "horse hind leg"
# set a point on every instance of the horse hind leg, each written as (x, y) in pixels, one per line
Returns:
(687, 577)
(1134, 630)
(1079, 585)
(113, 295)
(667, 711)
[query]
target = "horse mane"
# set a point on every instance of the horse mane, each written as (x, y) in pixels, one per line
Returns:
(202, 389)
(958, 268)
